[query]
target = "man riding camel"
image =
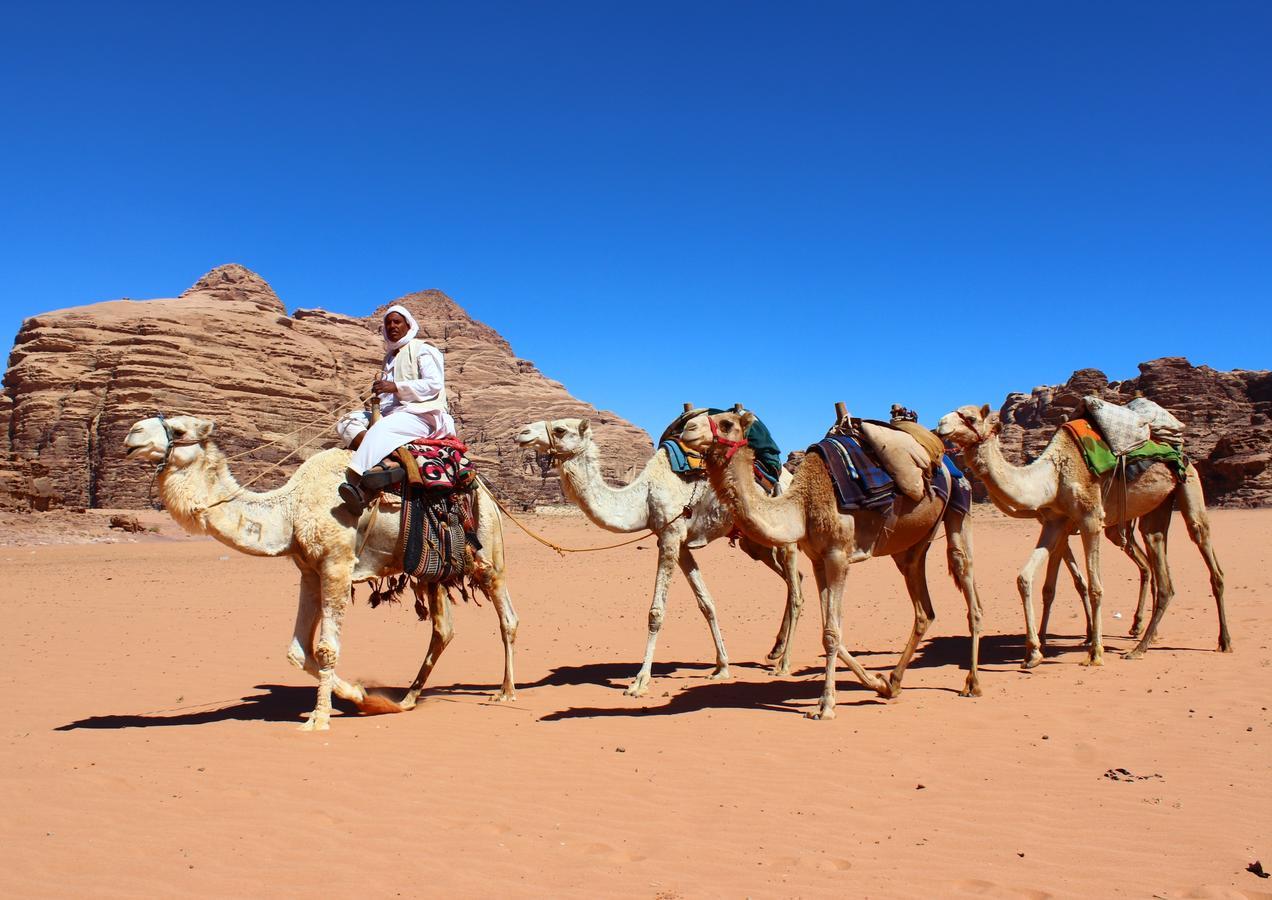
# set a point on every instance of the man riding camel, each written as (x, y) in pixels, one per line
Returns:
(412, 391)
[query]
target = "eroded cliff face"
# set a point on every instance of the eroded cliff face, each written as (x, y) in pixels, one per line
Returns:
(228, 350)
(1228, 417)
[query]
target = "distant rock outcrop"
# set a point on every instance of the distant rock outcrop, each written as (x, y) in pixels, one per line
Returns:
(226, 349)
(1228, 417)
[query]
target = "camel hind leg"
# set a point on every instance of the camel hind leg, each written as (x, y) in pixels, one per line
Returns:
(443, 630)
(958, 555)
(1053, 532)
(488, 571)
(1192, 505)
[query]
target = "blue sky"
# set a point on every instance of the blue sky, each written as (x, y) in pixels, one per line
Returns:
(779, 204)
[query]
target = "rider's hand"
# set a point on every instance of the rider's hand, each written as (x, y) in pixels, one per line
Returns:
(381, 386)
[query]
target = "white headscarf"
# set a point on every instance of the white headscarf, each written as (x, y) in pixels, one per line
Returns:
(411, 333)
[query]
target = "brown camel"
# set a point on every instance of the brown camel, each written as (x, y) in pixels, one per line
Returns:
(807, 514)
(1060, 489)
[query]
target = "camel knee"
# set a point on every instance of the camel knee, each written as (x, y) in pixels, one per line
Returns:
(327, 653)
(296, 654)
(655, 620)
(1024, 584)
(830, 641)
(958, 563)
(922, 622)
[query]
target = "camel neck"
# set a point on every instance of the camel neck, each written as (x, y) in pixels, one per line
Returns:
(773, 521)
(1014, 488)
(622, 509)
(206, 499)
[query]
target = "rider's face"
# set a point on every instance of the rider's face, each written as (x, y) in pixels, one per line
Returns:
(395, 327)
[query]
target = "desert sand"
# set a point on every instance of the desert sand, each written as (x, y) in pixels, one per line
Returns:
(152, 749)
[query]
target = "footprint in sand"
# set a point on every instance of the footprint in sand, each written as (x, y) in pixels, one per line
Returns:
(982, 888)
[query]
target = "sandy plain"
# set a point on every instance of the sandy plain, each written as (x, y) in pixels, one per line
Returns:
(150, 745)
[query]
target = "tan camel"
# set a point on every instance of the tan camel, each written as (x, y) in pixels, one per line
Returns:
(1060, 489)
(683, 514)
(807, 514)
(305, 521)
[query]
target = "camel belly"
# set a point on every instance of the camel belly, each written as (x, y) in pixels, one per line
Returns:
(913, 524)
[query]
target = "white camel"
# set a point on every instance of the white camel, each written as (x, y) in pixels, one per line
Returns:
(684, 514)
(305, 521)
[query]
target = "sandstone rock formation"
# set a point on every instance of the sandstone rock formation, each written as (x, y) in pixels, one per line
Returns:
(228, 350)
(1228, 417)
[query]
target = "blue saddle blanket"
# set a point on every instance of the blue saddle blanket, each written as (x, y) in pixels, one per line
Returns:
(861, 483)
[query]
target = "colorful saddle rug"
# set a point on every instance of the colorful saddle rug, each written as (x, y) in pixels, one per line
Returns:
(861, 483)
(1101, 459)
(768, 456)
(438, 466)
(435, 532)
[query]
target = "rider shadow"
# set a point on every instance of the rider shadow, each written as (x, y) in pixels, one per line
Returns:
(278, 703)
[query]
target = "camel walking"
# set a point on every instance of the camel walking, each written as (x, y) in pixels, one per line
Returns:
(305, 521)
(683, 514)
(808, 514)
(1061, 490)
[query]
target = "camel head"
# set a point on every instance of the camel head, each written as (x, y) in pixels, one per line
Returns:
(177, 445)
(717, 437)
(968, 426)
(558, 438)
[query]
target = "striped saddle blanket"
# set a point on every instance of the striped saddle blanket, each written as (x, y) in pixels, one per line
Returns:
(861, 483)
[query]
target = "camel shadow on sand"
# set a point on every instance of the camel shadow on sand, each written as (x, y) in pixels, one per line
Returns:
(277, 703)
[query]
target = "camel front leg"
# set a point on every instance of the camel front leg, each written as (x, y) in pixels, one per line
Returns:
(443, 630)
(1154, 527)
(335, 585)
(832, 572)
(1095, 587)
(689, 566)
(1124, 536)
(668, 552)
(300, 653)
(958, 553)
(1053, 531)
(1049, 594)
(785, 562)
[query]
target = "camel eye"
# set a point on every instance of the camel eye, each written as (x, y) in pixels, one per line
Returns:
(558, 431)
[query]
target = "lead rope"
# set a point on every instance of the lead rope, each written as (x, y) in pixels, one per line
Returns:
(684, 513)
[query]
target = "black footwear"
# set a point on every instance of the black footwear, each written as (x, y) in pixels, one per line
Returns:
(375, 480)
(354, 500)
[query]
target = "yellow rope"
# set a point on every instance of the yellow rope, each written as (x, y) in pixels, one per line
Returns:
(557, 547)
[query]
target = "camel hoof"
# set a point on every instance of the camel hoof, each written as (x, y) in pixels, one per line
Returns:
(781, 669)
(777, 651)
(1225, 647)
(1094, 661)
(637, 688)
(1032, 660)
(503, 697)
(315, 723)
(378, 703)
(820, 715)
(720, 673)
(1133, 654)
(971, 689)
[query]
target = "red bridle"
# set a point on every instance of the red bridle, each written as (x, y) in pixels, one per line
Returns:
(734, 446)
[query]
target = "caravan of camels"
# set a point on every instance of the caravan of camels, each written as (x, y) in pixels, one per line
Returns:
(706, 480)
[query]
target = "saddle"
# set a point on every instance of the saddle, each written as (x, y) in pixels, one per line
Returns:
(909, 462)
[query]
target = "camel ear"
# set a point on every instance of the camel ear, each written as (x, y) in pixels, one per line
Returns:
(203, 429)
(747, 419)
(985, 411)
(585, 425)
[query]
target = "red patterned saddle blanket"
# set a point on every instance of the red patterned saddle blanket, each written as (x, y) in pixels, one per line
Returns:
(443, 464)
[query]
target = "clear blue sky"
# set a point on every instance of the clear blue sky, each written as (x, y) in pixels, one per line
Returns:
(779, 204)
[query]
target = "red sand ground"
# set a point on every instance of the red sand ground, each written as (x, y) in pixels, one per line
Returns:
(152, 746)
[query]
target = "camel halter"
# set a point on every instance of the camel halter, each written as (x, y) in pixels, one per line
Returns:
(734, 446)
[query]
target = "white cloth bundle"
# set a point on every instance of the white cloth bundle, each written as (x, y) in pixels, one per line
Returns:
(1162, 424)
(1123, 429)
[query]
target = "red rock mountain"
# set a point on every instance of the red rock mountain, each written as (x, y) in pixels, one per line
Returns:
(1228, 417)
(228, 350)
